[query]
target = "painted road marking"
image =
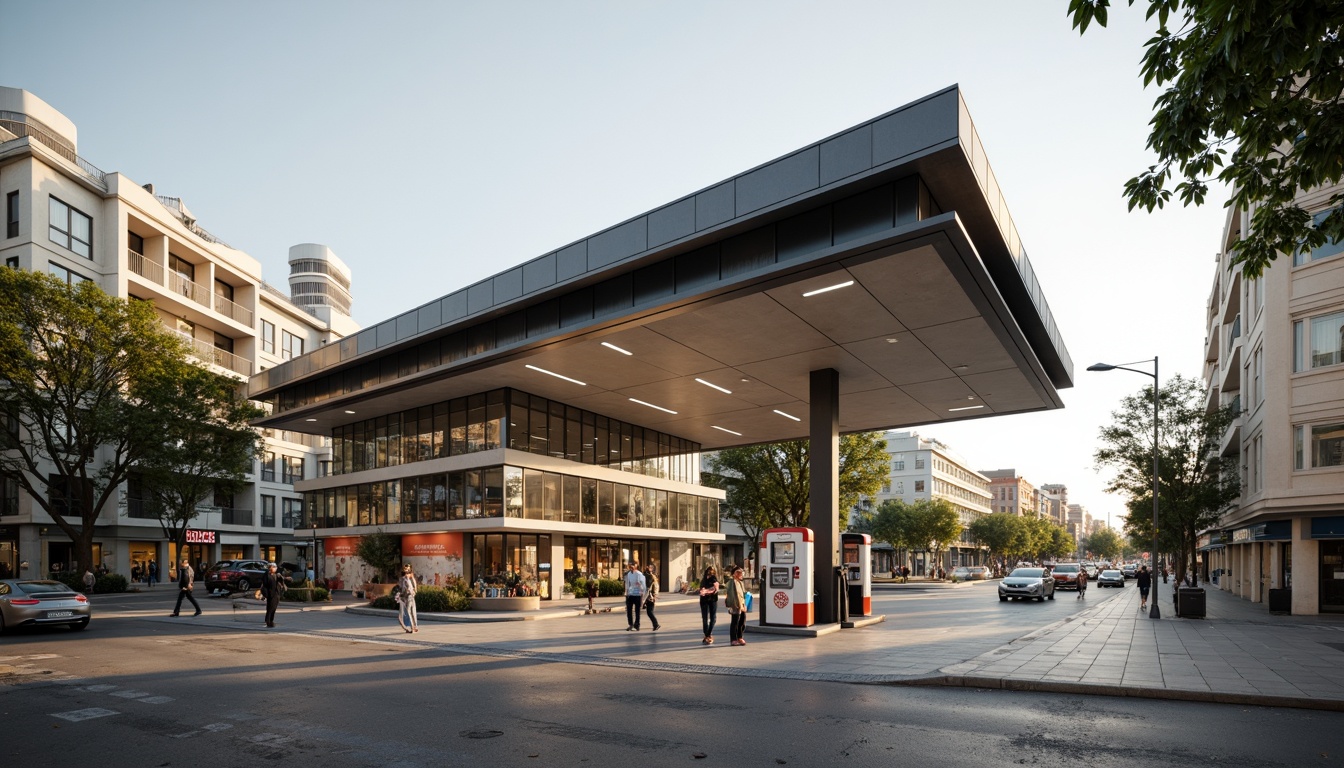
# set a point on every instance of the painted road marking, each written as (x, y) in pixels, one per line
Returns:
(217, 727)
(156, 699)
(85, 714)
(129, 694)
(98, 688)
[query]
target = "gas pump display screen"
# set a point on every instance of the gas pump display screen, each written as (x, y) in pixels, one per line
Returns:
(851, 554)
(781, 552)
(781, 577)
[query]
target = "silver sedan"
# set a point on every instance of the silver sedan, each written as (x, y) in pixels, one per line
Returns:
(32, 603)
(1027, 584)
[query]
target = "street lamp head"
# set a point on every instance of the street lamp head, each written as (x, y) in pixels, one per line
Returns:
(1100, 367)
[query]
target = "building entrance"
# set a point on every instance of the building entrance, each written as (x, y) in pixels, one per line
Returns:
(1332, 577)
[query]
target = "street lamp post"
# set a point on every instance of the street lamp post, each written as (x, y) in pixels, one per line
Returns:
(1153, 612)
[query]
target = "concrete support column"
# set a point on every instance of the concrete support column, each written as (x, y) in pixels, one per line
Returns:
(824, 489)
(1306, 569)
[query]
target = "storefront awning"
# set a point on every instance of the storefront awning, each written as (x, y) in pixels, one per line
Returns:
(1327, 528)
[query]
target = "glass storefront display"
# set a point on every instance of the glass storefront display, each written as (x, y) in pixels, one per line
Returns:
(606, 558)
(511, 565)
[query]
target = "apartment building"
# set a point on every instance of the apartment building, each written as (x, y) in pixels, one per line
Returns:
(68, 218)
(1275, 353)
(1011, 494)
(925, 468)
(1055, 502)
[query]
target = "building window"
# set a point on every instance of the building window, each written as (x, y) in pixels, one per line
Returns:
(1318, 342)
(898, 466)
(268, 336)
(886, 487)
(12, 214)
(919, 463)
(1331, 248)
(135, 243)
(290, 345)
(70, 228)
(9, 495)
(292, 468)
(900, 486)
(268, 466)
(1257, 377)
(12, 262)
(292, 513)
(268, 511)
(1318, 445)
(919, 486)
(65, 275)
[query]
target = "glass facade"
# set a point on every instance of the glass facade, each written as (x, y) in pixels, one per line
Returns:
(505, 491)
(511, 564)
(509, 418)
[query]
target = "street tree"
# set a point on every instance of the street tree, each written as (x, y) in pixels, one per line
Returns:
(1253, 99)
(1106, 544)
(768, 485)
(75, 372)
(1196, 484)
(1003, 534)
(932, 526)
(206, 446)
(381, 552)
(892, 522)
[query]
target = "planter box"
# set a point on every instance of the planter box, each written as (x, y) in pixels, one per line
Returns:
(532, 603)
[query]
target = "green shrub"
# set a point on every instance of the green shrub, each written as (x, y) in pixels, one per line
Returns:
(454, 596)
(71, 580)
(110, 582)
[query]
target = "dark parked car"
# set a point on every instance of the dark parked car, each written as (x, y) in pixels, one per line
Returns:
(1027, 584)
(235, 575)
(1111, 578)
(32, 603)
(1066, 575)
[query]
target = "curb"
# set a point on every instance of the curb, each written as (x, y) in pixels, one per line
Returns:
(1098, 689)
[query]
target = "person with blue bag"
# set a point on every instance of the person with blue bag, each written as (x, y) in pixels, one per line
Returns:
(736, 602)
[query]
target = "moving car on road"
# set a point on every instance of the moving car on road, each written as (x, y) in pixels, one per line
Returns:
(1111, 578)
(1027, 584)
(26, 603)
(1066, 575)
(1130, 571)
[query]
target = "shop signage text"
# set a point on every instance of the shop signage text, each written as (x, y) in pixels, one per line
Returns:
(200, 537)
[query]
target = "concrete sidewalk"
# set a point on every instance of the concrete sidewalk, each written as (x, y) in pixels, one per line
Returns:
(1239, 654)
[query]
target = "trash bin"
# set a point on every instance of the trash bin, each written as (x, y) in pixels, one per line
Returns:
(1190, 604)
(1281, 600)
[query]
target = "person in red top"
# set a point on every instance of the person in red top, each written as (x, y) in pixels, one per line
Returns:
(1082, 584)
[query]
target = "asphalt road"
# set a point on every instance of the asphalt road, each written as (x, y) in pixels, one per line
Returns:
(134, 692)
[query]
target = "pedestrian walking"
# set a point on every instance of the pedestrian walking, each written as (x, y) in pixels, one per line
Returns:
(736, 602)
(651, 595)
(406, 587)
(1082, 584)
(272, 587)
(634, 596)
(185, 577)
(1145, 581)
(153, 574)
(89, 580)
(592, 591)
(709, 603)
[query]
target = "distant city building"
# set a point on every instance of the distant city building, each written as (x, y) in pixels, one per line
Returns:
(1011, 494)
(1275, 353)
(925, 468)
(1055, 498)
(67, 218)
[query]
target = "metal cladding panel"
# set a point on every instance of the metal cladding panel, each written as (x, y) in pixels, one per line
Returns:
(617, 243)
(778, 181)
(366, 340)
(571, 261)
(847, 154)
(714, 206)
(671, 222)
(430, 315)
(539, 273)
(453, 307)
(387, 332)
(918, 127)
(408, 325)
(480, 297)
(508, 285)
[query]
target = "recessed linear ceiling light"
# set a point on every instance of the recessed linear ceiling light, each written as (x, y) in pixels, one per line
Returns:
(651, 405)
(618, 349)
(788, 415)
(837, 286)
(310, 419)
(556, 375)
(349, 411)
(729, 431)
(715, 386)
(965, 408)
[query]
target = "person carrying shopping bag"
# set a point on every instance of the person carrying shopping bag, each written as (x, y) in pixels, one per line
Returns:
(651, 595)
(737, 606)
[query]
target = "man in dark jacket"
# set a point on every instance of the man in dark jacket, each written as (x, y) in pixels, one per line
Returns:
(272, 587)
(185, 576)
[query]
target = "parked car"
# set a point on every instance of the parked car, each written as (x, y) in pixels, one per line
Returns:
(1130, 571)
(235, 575)
(26, 603)
(961, 573)
(1066, 575)
(979, 572)
(1027, 584)
(1111, 578)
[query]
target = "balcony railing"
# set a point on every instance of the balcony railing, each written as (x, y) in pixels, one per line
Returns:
(138, 509)
(231, 516)
(145, 268)
(23, 125)
(236, 311)
(198, 293)
(208, 352)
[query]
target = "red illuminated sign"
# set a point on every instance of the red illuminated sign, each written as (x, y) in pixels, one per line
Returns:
(200, 537)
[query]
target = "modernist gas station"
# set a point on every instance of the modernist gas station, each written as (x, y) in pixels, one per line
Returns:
(871, 280)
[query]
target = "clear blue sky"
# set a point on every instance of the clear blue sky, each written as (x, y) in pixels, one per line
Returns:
(413, 137)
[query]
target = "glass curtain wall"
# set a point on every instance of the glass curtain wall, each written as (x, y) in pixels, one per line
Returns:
(511, 565)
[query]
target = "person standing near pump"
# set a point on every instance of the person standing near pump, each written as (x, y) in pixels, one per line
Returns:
(651, 595)
(736, 601)
(406, 615)
(1145, 581)
(634, 596)
(709, 603)
(272, 587)
(185, 577)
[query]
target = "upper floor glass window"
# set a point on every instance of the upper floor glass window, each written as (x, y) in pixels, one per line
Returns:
(70, 278)
(70, 228)
(1318, 342)
(290, 345)
(12, 214)
(1331, 248)
(1318, 445)
(267, 336)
